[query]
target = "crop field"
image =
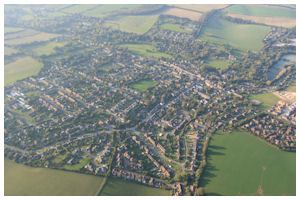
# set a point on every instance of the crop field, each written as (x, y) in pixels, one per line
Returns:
(242, 164)
(134, 24)
(174, 27)
(262, 11)
(108, 9)
(23, 180)
(40, 37)
(12, 29)
(48, 49)
(241, 36)
(20, 34)
(144, 85)
(20, 69)
(267, 99)
(219, 64)
(183, 13)
(9, 51)
(118, 187)
(146, 50)
(201, 7)
(271, 21)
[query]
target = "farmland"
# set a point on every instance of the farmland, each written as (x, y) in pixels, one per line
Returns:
(134, 24)
(239, 156)
(200, 8)
(178, 12)
(20, 69)
(221, 31)
(39, 37)
(267, 100)
(173, 27)
(219, 64)
(48, 49)
(23, 180)
(146, 50)
(77, 8)
(262, 11)
(9, 51)
(143, 85)
(12, 29)
(117, 187)
(109, 9)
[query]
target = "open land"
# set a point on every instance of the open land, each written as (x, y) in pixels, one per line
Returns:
(189, 14)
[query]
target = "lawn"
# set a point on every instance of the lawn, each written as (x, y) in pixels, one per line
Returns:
(241, 36)
(262, 11)
(146, 50)
(144, 85)
(267, 99)
(108, 9)
(20, 69)
(48, 49)
(118, 187)
(242, 164)
(173, 27)
(23, 180)
(77, 167)
(219, 64)
(134, 24)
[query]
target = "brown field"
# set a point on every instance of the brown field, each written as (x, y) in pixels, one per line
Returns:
(271, 21)
(40, 37)
(288, 97)
(192, 15)
(201, 7)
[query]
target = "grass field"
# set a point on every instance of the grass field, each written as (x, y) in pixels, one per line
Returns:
(134, 24)
(219, 64)
(48, 49)
(201, 7)
(78, 8)
(20, 69)
(146, 50)
(108, 9)
(174, 27)
(240, 36)
(40, 37)
(262, 11)
(9, 51)
(189, 14)
(242, 164)
(118, 187)
(144, 85)
(12, 29)
(267, 99)
(23, 180)
(78, 166)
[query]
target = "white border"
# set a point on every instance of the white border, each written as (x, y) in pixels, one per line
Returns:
(127, 2)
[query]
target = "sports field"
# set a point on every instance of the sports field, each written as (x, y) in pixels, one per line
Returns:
(23, 180)
(242, 164)
(118, 187)
(20, 69)
(134, 24)
(146, 50)
(48, 49)
(219, 64)
(267, 99)
(144, 85)
(241, 36)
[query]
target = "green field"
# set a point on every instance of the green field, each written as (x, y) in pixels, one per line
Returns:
(118, 187)
(78, 8)
(134, 24)
(173, 27)
(219, 64)
(40, 37)
(78, 166)
(242, 164)
(108, 9)
(48, 49)
(144, 85)
(12, 29)
(23, 180)
(241, 36)
(262, 11)
(267, 99)
(9, 51)
(146, 50)
(20, 69)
